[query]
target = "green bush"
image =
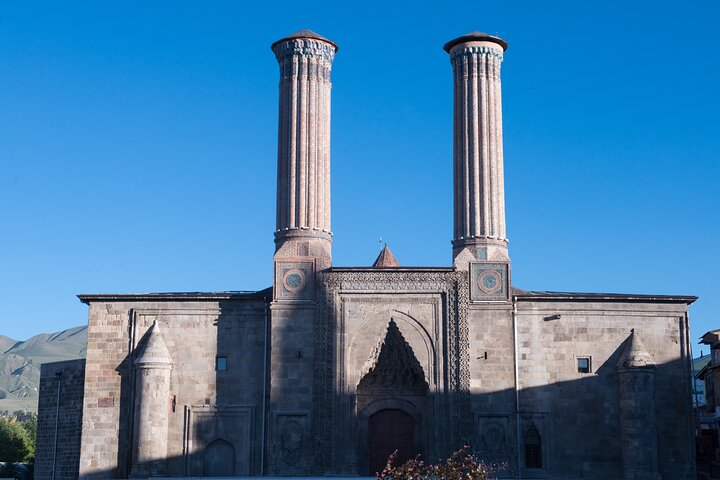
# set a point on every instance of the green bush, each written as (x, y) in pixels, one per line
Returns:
(15, 442)
(461, 465)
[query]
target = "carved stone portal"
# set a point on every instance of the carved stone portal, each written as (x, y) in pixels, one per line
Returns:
(391, 403)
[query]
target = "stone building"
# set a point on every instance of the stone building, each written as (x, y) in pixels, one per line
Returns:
(333, 368)
(708, 444)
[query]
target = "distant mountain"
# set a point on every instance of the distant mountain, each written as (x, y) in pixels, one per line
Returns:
(20, 364)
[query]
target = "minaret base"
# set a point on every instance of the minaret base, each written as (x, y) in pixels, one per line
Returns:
(466, 252)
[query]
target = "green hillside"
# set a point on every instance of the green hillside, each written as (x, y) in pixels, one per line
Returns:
(20, 364)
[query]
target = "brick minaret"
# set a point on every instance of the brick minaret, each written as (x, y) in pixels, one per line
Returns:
(303, 189)
(302, 244)
(479, 203)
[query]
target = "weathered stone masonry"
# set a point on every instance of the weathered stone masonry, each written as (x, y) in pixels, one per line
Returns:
(333, 368)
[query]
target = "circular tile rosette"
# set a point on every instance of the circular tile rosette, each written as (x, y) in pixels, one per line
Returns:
(489, 281)
(294, 280)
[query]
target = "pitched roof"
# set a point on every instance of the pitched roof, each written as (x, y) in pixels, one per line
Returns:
(386, 259)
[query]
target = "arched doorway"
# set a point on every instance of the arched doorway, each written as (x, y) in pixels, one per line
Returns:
(391, 404)
(390, 430)
(219, 459)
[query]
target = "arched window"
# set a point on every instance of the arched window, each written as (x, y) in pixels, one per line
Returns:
(533, 448)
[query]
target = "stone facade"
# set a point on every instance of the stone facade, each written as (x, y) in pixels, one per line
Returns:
(332, 368)
(582, 414)
(198, 330)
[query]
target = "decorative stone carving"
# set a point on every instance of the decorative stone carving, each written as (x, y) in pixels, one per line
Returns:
(291, 442)
(295, 280)
(451, 285)
(291, 452)
(493, 442)
(394, 367)
(489, 281)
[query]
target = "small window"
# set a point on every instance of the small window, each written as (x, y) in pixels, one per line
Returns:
(221, 364)
(583, 364)
(533, 456)
(533, 448)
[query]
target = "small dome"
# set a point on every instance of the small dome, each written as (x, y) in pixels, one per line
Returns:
(475, 37)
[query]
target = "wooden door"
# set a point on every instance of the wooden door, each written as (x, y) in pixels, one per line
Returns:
(390, 430)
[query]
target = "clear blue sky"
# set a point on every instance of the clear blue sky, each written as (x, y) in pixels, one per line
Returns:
(138, 145)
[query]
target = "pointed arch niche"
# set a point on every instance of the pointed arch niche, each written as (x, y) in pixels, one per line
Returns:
(219, 459)
(391, 401)
(362, 322)
(365, 340)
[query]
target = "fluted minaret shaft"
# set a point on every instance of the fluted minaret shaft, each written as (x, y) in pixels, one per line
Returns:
(303, 192)
(479, 202)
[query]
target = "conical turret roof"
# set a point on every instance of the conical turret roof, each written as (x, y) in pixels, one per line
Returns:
(634, 355)
(153, 351)
(386, 259)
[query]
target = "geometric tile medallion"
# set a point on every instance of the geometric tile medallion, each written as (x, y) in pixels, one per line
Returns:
(489, 281)
(295, 279)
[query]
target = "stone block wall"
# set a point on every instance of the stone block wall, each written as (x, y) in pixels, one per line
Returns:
(107, 349)
(65, 451)
(466, 352)
(196, 332)
(492, 381)
(576, 413)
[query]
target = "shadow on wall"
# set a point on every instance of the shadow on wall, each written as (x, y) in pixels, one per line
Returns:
(214, 412)
(567, 429)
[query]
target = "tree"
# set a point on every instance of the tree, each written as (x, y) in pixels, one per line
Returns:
(15, 442)
(30, 427)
